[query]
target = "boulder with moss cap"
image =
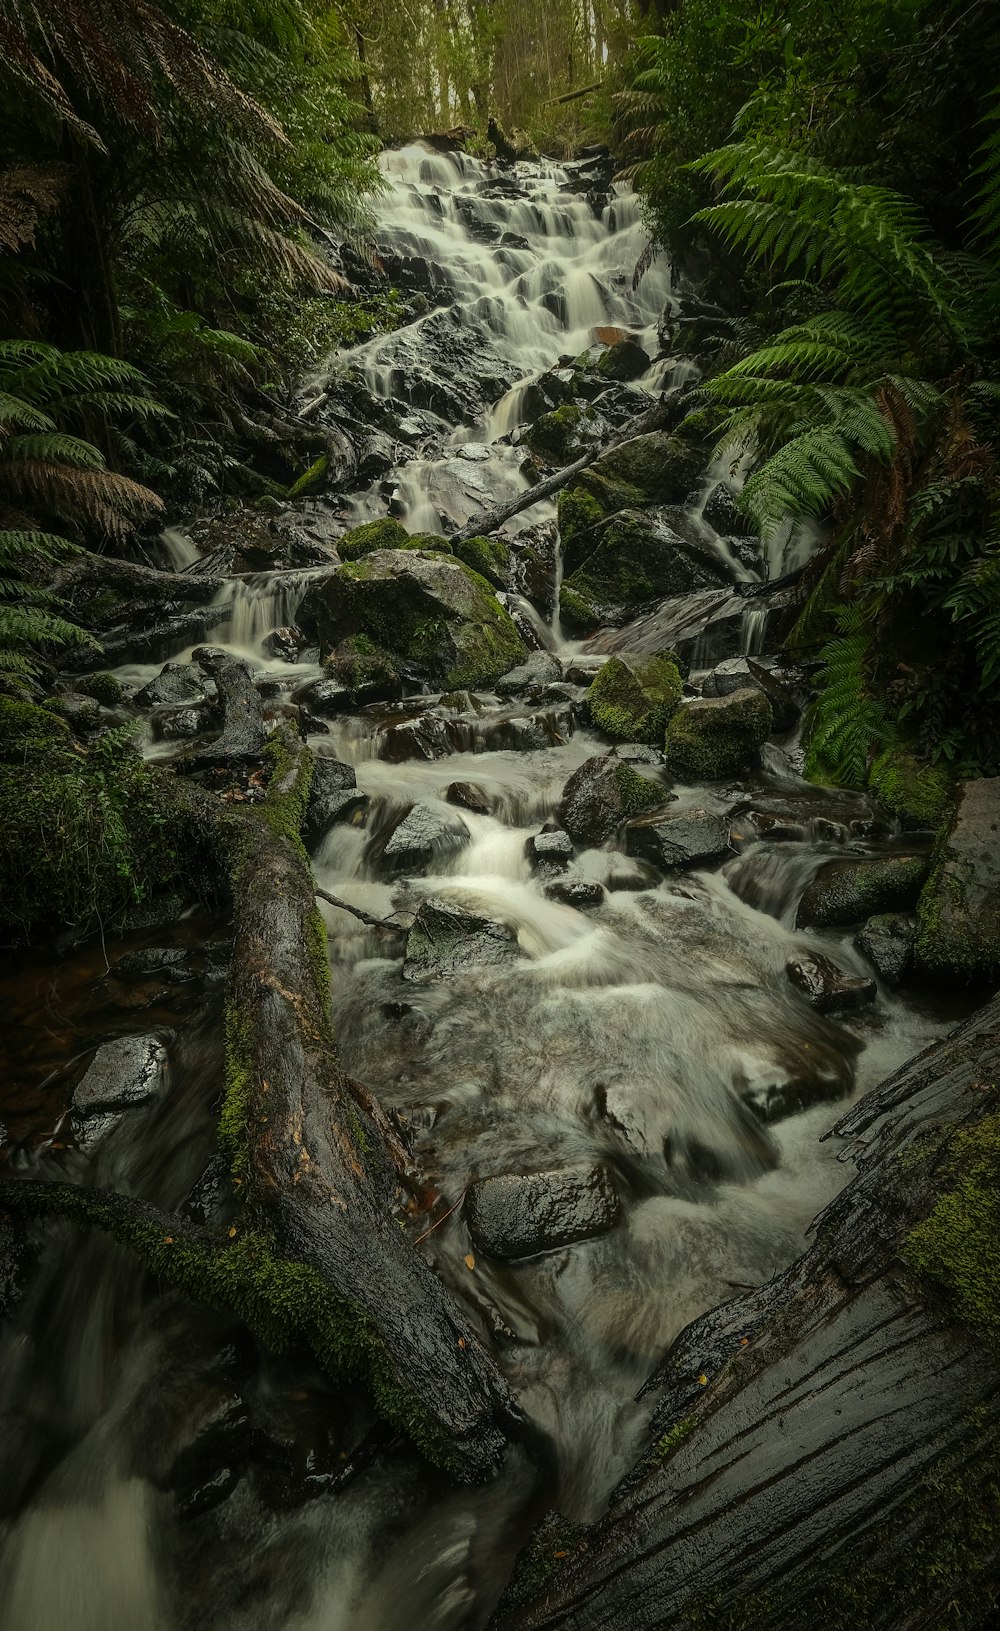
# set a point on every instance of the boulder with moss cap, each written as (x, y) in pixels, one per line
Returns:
(712, 738)
(425, 613)
(633, 698)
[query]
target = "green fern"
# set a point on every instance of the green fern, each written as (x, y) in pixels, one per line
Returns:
(846, 723)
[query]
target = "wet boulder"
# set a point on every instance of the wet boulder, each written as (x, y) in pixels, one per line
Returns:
(887, 942)
(539, 670)
(426, 611)
(580, 893)
(828, 988)
(712, 738)
(490, 557)
(122, 1076)
(364, 672)
(632, 699)
(468, 796)
(632, 557)
(958, 918)
(520, 1215)
(741, 673)
(850, 890)
(373, 535)
(678, 838)
(176, 684)
(448, 938)
(549, 853)
(661, 467)
(603, 793)
(561, 436)
(425, 833)
(623, 361)
(333, 797)
(721, 510)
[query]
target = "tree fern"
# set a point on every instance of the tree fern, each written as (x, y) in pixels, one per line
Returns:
(846, 723)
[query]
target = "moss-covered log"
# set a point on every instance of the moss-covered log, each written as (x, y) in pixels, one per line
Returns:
(315, 1253)
(827, 1448)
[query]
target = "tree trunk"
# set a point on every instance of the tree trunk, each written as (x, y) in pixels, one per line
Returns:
(316, 1254)
(826, 1448)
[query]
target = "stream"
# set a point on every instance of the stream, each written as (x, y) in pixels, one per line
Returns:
(159, 1473)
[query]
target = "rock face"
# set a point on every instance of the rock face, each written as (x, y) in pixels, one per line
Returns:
(423, 834)
(633, 699)
(715, 737)
(847, 891)
(958, 918)
(631, 557)
(662, 468)
(333, 797)
(887, 942)
(425, 610)
(682, 838)
(602, 794)
(447, 938)
(123, 1075)
(738, 673)
(828, 988)
(540, 670)
(521, 1215)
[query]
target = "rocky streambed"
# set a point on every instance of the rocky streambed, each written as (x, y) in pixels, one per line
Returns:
(602, 970)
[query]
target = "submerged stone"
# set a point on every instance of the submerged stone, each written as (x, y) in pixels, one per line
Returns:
(468, 796)
(447, 938)
(520, 1215)
(575, 892)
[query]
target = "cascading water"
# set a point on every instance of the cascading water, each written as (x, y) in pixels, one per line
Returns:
(171, 1476)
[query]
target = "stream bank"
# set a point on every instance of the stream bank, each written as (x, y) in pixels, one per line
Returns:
(608, 997)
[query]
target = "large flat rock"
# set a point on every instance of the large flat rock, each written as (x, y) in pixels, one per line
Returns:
(959, 911)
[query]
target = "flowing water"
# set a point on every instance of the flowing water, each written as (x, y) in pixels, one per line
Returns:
(160, 1473)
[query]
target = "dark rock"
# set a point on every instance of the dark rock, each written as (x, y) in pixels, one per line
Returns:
(468, 797)
(603, 793)
(446, 939)
(828, 988)
(540, 669)
(286, 644)
(210, 658)
(713, 738)
(958, 919)
(850, 890)
(887, 942)
(243, 730)
(327, 696)
(176, 683)
(333, 797)
(549, 853)
(634, 556)
(13, 1264)
(520, 1215)
(722, 511)
(680, 838)
(740, 673)
(576, 892)
(662, 468)
(171, 963)
(423, 834)
(637, 753)
(183, 724)
(124, 1073)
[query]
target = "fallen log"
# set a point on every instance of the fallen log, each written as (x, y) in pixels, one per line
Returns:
(144, 586)
(827, 1448)
(315, 1253)
(483, 525)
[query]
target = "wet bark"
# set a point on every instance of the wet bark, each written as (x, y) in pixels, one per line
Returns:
(825, 1447)
(316, 1253)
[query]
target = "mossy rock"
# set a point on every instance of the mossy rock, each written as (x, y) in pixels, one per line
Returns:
(663, 468)
(633, 699)
(919, 794)
(958, 915)
(26, 730)
(714, 738)
(576, 510)
(634, 557)
(313, 479)
(579, 612)
(557, 436)
(364, 668)
(852, 890)
(435, 541)
(624, 361)
(490, 557)
(426, 612)
(373, 535)
(106, 689)
(602, 794)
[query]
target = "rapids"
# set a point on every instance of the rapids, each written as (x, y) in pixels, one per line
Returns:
(161, 1474)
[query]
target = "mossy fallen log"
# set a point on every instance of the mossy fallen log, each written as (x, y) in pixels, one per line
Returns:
(827, 1448)
(315, 1253)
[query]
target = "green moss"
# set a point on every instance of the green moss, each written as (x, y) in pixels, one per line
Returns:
(434, 541)
(955, 1251)
(908, 788)
(489, 557)
(358, 662)
(633, 701)
(577, 611)
(710, 741)
(26, 729)
(666, 1445)
(637, 793)
(364, 540)
(312, 479)
(576, 511)
(554, 435)
(106, 689)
